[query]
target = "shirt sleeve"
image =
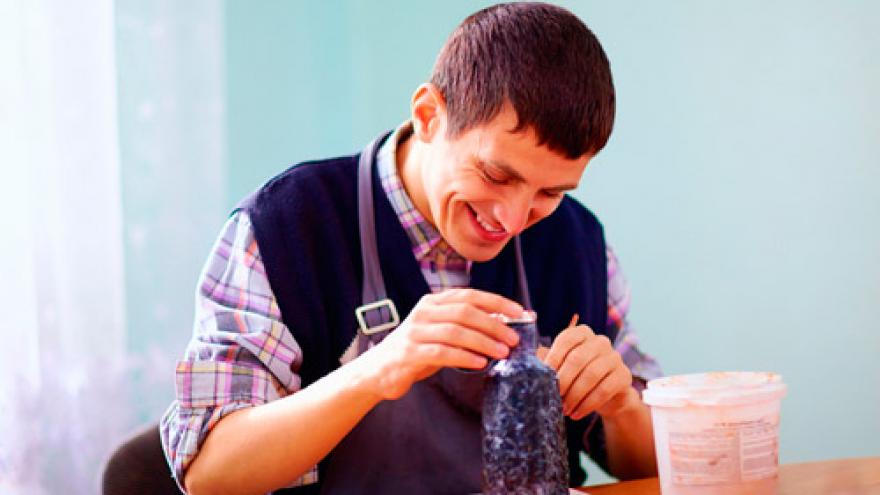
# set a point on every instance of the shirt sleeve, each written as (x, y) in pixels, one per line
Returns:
(241, 354)
(642, 366)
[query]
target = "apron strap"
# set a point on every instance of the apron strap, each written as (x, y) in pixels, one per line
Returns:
(522, 285)
(377, 315)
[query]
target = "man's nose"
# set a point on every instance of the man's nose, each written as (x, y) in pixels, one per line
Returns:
(514, 214)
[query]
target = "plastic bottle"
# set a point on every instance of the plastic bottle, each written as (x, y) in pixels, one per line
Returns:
(524, 448)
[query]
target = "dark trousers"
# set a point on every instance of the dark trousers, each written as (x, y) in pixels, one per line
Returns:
(138, 467)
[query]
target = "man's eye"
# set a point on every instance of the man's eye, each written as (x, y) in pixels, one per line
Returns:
(493, 179)
(552, 194)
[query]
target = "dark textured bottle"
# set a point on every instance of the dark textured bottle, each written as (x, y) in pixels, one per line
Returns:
(524, 448)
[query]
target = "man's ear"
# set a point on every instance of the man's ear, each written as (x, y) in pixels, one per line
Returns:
(428, 112)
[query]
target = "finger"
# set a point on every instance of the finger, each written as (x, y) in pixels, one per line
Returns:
(585, 356)
(455, 335)
(470, 316)
(613, 387)
(588, 378)
(580, 359)
(614, 384)
(567, 340)
(541, 352)
(575, 363)
(487, 301)
(441, 355)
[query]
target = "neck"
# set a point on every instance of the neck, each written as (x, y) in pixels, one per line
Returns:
(410, 159)
(528, 339)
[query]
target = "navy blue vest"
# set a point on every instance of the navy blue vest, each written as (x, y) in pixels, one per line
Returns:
(305, 223)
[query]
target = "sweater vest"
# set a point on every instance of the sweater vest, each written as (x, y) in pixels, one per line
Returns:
(305, 222)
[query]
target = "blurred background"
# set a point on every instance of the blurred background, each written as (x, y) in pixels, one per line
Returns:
(739, 189)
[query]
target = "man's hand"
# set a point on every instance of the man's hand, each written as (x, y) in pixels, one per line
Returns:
(592, 375)
(452, 328)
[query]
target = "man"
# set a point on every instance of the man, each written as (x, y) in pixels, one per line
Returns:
(276, 392)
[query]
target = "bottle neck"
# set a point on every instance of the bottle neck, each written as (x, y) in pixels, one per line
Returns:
(528, 339)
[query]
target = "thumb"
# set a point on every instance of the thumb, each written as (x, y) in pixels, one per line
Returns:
(541, 352)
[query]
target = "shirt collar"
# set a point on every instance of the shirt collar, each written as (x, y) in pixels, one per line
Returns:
(423, 236)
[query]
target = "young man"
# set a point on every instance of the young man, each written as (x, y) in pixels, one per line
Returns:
(275, 391)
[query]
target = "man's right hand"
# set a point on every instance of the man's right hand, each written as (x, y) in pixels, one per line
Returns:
(452, 328)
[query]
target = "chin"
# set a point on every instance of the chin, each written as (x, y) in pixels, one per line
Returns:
(479, 254)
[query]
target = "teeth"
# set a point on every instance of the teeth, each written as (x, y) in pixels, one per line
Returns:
(487, 226)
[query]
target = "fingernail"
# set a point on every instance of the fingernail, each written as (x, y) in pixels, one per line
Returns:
(501, 351)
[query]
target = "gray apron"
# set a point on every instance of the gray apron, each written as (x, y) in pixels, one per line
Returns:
(428, 441)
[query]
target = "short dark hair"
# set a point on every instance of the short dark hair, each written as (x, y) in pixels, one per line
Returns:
(544, 61)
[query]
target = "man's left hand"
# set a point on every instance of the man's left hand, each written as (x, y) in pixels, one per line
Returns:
(592, 375)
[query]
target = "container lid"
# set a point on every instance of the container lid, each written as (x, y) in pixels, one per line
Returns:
(717, 388)
(527, 316)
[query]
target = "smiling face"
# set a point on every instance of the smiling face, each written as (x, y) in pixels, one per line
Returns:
(486, 185)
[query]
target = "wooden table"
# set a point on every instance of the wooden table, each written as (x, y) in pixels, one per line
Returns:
(844, 476)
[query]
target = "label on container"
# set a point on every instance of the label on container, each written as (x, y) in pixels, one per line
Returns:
(723, 452)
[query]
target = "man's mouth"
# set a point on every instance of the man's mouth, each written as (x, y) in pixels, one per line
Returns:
(494, 232)
(486, 225)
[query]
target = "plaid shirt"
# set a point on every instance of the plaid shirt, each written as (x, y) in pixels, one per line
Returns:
(242, 354)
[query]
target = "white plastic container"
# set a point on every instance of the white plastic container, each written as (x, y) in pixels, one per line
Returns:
(716, 433)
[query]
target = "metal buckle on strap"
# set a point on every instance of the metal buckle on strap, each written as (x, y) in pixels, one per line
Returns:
(360, 311)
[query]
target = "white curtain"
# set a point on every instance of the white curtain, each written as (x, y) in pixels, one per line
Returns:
(74, 376)
(61, 291)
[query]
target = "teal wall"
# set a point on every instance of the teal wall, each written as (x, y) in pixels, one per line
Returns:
(740, 188)
(169, 59)
(314, 79)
